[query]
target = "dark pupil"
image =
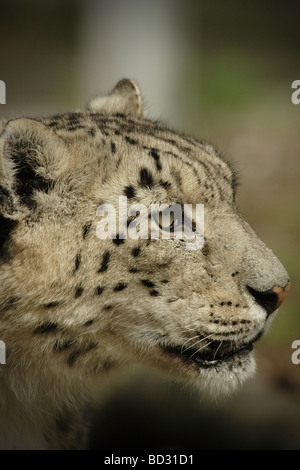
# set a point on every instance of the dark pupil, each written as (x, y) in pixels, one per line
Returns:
(172, 224)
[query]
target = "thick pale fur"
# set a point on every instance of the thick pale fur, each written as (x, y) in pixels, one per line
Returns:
(65, 316)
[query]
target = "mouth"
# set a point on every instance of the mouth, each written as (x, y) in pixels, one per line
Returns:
(215, 355)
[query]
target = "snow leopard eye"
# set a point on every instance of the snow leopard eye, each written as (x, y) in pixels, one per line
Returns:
(166, 220)
(168, 217)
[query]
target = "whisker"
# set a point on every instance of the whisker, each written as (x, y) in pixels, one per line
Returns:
(200, 349)
(215, 353)
(190, 339)
(198, 342)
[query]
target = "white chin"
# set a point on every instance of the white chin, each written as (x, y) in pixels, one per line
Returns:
(227, 377)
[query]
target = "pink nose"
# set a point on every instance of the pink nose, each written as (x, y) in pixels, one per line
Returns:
(270, 299)
(281, 293)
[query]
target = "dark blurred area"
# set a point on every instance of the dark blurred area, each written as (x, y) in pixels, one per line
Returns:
(222, 71)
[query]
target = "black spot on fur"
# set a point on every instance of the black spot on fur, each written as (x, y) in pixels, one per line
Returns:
(74, 118)
(113, 147)
(165, 184)
(105, 261)
(133, 270)
(146, 178)
(120, 286)
(74, 127)
(13, 301)
(77, 261)
(62, 345)
(92, 131)
(88, 323)
(78, 291)
(108, 307)
(235, 273)
(165, 281)
(130, 219)
(154, 293)
(9, 304)
(129, 191)
(86, 229)
(235, 181)
(53, 304)
(136, 251)
(6, 227)
(131, 141)
(99, 290)
(79, 352)
(46, 328)
(154, 154)
(147, 283)
(118, 241)
(162, 265)
(53, 123)
(205, 249)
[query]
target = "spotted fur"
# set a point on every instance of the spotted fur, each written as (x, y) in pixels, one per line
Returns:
(73, 306)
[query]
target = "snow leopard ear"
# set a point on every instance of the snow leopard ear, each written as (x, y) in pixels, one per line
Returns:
(125, 98)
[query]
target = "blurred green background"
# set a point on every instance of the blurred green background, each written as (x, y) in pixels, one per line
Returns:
(222, 71)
